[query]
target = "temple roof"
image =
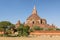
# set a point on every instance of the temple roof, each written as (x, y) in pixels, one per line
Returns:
(34, 14)
(33, 17)
(34, 10)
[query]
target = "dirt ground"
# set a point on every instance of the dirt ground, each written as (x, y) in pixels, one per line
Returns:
(42, 37)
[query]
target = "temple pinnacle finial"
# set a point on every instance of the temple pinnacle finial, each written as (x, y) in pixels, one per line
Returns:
(34, 10)
(34, 7)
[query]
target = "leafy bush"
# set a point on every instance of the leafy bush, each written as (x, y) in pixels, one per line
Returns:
(37, 28)
(57, 29)
(50, 29)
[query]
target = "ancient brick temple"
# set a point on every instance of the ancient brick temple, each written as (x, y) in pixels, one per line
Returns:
(35, 20)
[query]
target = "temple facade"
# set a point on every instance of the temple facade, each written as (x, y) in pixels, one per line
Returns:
(35, 20)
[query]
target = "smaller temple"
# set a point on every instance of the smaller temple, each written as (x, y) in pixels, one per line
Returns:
(17, 24)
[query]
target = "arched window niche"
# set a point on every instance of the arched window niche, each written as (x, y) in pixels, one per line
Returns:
(33, 22)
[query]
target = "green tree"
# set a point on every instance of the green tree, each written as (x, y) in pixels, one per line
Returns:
(26, 30)
(23, 30)
(4, 25)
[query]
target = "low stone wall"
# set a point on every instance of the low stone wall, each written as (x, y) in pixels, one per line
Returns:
(41, 37)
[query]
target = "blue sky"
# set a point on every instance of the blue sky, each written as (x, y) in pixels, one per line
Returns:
(14, 10)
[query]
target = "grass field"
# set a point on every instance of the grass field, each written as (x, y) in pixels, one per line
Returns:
(42, 37)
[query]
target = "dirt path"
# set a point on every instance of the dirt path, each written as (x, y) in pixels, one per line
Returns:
(42, 37)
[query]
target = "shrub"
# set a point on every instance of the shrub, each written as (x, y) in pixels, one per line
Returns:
(37, 28)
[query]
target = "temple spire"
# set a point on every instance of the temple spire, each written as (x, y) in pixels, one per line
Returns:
(34, 7)
(34, 10)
